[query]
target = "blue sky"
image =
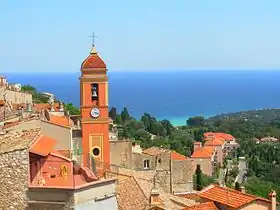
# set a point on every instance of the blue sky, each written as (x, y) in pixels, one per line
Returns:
(138, 35)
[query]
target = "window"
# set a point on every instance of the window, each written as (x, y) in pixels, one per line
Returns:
(146, 164)
(159, 161)
(95, 151)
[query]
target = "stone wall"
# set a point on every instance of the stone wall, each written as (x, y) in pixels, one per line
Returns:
(182, 175)
(16, 97)
(121, 153)
(163, 161)
(13, 180)
(205, 165)
(138, 161)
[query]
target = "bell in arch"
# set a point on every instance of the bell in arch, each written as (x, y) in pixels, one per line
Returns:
(94, 93)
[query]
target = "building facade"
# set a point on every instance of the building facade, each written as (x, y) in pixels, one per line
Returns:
(94, 110)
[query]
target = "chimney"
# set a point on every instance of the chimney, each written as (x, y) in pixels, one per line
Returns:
(28, 107)
(242, 189)
(154, 199)
(272, 196)
(196, 145)
(61, 108)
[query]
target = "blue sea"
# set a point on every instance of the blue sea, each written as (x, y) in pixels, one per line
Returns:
(173, 95)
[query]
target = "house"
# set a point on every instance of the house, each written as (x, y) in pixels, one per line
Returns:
(206, 157)
(177, 167)
(227, 198)
(36, 176)
(140, 191)
(14, 86)
(176, 170)
(224, 143)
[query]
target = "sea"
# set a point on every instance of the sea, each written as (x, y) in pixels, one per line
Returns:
(173, 95)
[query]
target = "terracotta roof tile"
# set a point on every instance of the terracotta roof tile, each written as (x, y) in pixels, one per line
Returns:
(47, 106)
(18, 140)
(227, 196)
(154, 151)
(129, 195)
(93, 61)
(203, 206)
(214, 142)
(177, 156)
(60, 120)
(43, 146)
(224, 136)
(204, 152)
(145, 182)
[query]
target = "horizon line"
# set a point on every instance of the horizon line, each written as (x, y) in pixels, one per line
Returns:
(151, 70)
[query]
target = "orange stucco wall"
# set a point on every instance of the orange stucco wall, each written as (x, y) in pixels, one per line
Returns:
(101, 130)
(95, 132)
(50, 169)
(86, 94)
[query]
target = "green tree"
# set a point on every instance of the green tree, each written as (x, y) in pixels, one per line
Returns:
(113, 114)
(28, 89)
(125, 115)
(196, 121)
(237, 186)
(119, 120)
(73, 110)
(198, 174)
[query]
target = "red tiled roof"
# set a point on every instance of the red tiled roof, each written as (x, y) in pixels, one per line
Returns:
(203, 206)
(2, 102)
(60, 120)
(93, 61)
(43, 146)
(65, 153)
(224, 136)
(189, 195)
(177, 156)
(204, 152)
(214, 142)
(227, 196)
(39, 107)
(130, 195)
(154, 151)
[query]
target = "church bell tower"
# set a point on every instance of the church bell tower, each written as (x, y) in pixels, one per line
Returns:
(94, 110)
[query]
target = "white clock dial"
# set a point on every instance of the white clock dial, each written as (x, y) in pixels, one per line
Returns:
(95, 112)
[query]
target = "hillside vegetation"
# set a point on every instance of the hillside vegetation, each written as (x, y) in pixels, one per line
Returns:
(263, 159)
(39, 98)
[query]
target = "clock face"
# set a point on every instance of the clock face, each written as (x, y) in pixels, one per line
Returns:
(95, 112)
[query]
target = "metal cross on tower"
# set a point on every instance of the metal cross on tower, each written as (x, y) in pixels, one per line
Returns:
(93, 36)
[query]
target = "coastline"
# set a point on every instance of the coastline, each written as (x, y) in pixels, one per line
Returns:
(180, 121)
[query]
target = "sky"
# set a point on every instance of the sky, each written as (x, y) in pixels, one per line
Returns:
(146, 35)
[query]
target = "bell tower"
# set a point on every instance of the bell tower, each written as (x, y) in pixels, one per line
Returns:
(94, 110)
